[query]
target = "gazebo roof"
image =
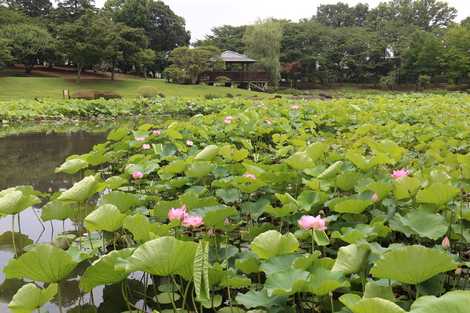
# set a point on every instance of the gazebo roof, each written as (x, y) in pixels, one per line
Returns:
(235, 57)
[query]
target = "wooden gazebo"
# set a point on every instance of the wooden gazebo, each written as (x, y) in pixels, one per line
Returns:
(239, 69)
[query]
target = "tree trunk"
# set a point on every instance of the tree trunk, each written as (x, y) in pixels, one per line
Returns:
(79, 72)
(112, 71)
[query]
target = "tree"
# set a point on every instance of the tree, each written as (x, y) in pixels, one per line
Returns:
(457, 56)
(84, 41)
(71, 10)
(33, 8)
(263, 42)
(121, 43)
(28, 43)
(143, 59)
(425, 56)
(193, 61)
(164, 29)
(342, 15)
(225, 37)
(425, 14)
(5, 52)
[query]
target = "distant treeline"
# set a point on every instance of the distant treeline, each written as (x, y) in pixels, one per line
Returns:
(399, 41)
(124, 35)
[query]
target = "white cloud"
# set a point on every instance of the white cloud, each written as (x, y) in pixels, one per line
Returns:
(202, 15)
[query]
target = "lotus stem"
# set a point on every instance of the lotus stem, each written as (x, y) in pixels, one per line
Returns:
(229, 299)
(59, 295)
(332, 303)
(313, 241)
(186, 294)
(13, 234)
(194, 302)
(19, 222)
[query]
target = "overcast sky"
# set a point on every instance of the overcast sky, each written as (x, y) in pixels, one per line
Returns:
(202, 15)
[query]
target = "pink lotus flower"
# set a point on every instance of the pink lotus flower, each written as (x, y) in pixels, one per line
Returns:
(157, 132)
(140, 138)
(146, 146)
(399, 174)
(295, 107)
(193, 221)
(250, 176)
(445, 243)
(307, 222)
(228, 119)
(177, 213)
(189, 143)
(375, 197)
(137, 175)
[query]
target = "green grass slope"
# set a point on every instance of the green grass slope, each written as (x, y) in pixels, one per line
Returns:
(52, 87)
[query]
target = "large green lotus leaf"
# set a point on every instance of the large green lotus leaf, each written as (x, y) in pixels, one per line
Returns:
(199, 169)
(412, 264)
(351, 205)
(58, 210)
(102, 271)
(107, 217)
(201, 271)
(311, 199)
(317, 150)
(122, 200)
(256, 299)
(215, 216)
(300, 161)
(437, 193)
(175, 167)
(21, 241)
(229, 279)
(376, 305)
(29, 298)
(347, 180)
(248, 263)
(351, 258)
(426, 224)
(229, 195)
(15, 200)
(286, 283)
(72, 166)
(379, 289)
(451, 302)
(278, 263)
(323, 281)
(141, 228)
(272, 243)
(380, 188)
(81, 191)
(43, 262)
(207, 154)
(406, 187)
(163, 256)
(118, 134)
(361, 162)
(115, 182)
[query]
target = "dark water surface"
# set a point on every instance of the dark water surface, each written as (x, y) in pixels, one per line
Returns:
(30, 159)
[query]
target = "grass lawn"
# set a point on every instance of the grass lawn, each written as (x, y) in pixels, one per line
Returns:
(52, 87)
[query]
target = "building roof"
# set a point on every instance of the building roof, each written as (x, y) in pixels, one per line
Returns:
(235, 57)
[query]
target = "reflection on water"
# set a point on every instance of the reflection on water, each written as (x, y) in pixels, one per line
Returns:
(30, 159)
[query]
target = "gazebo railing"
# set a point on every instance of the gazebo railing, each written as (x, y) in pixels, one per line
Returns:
(235, 76)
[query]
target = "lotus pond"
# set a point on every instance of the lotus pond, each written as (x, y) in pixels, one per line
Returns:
(351, 205)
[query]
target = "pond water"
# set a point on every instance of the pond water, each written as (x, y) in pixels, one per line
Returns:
(30, 159)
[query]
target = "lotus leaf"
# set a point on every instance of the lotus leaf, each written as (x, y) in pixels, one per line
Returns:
(105, 218)
(272, 243)
(29, 298)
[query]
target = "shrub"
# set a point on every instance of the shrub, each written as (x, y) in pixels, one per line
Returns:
(389, 81)
(229, 95)
(210, 96)
(94, 94)
(424, 81)
(222, 80)
(148, 92)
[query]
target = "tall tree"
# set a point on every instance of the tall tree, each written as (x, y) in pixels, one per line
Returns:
(71, 10)
(84, 41)
(33, 8)
(342, 15)
(263, 42)
(28, 43)
(457, 42)
(121, 43)
(164, 29)
(5, 52)
(192, 62)
(225, 37)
